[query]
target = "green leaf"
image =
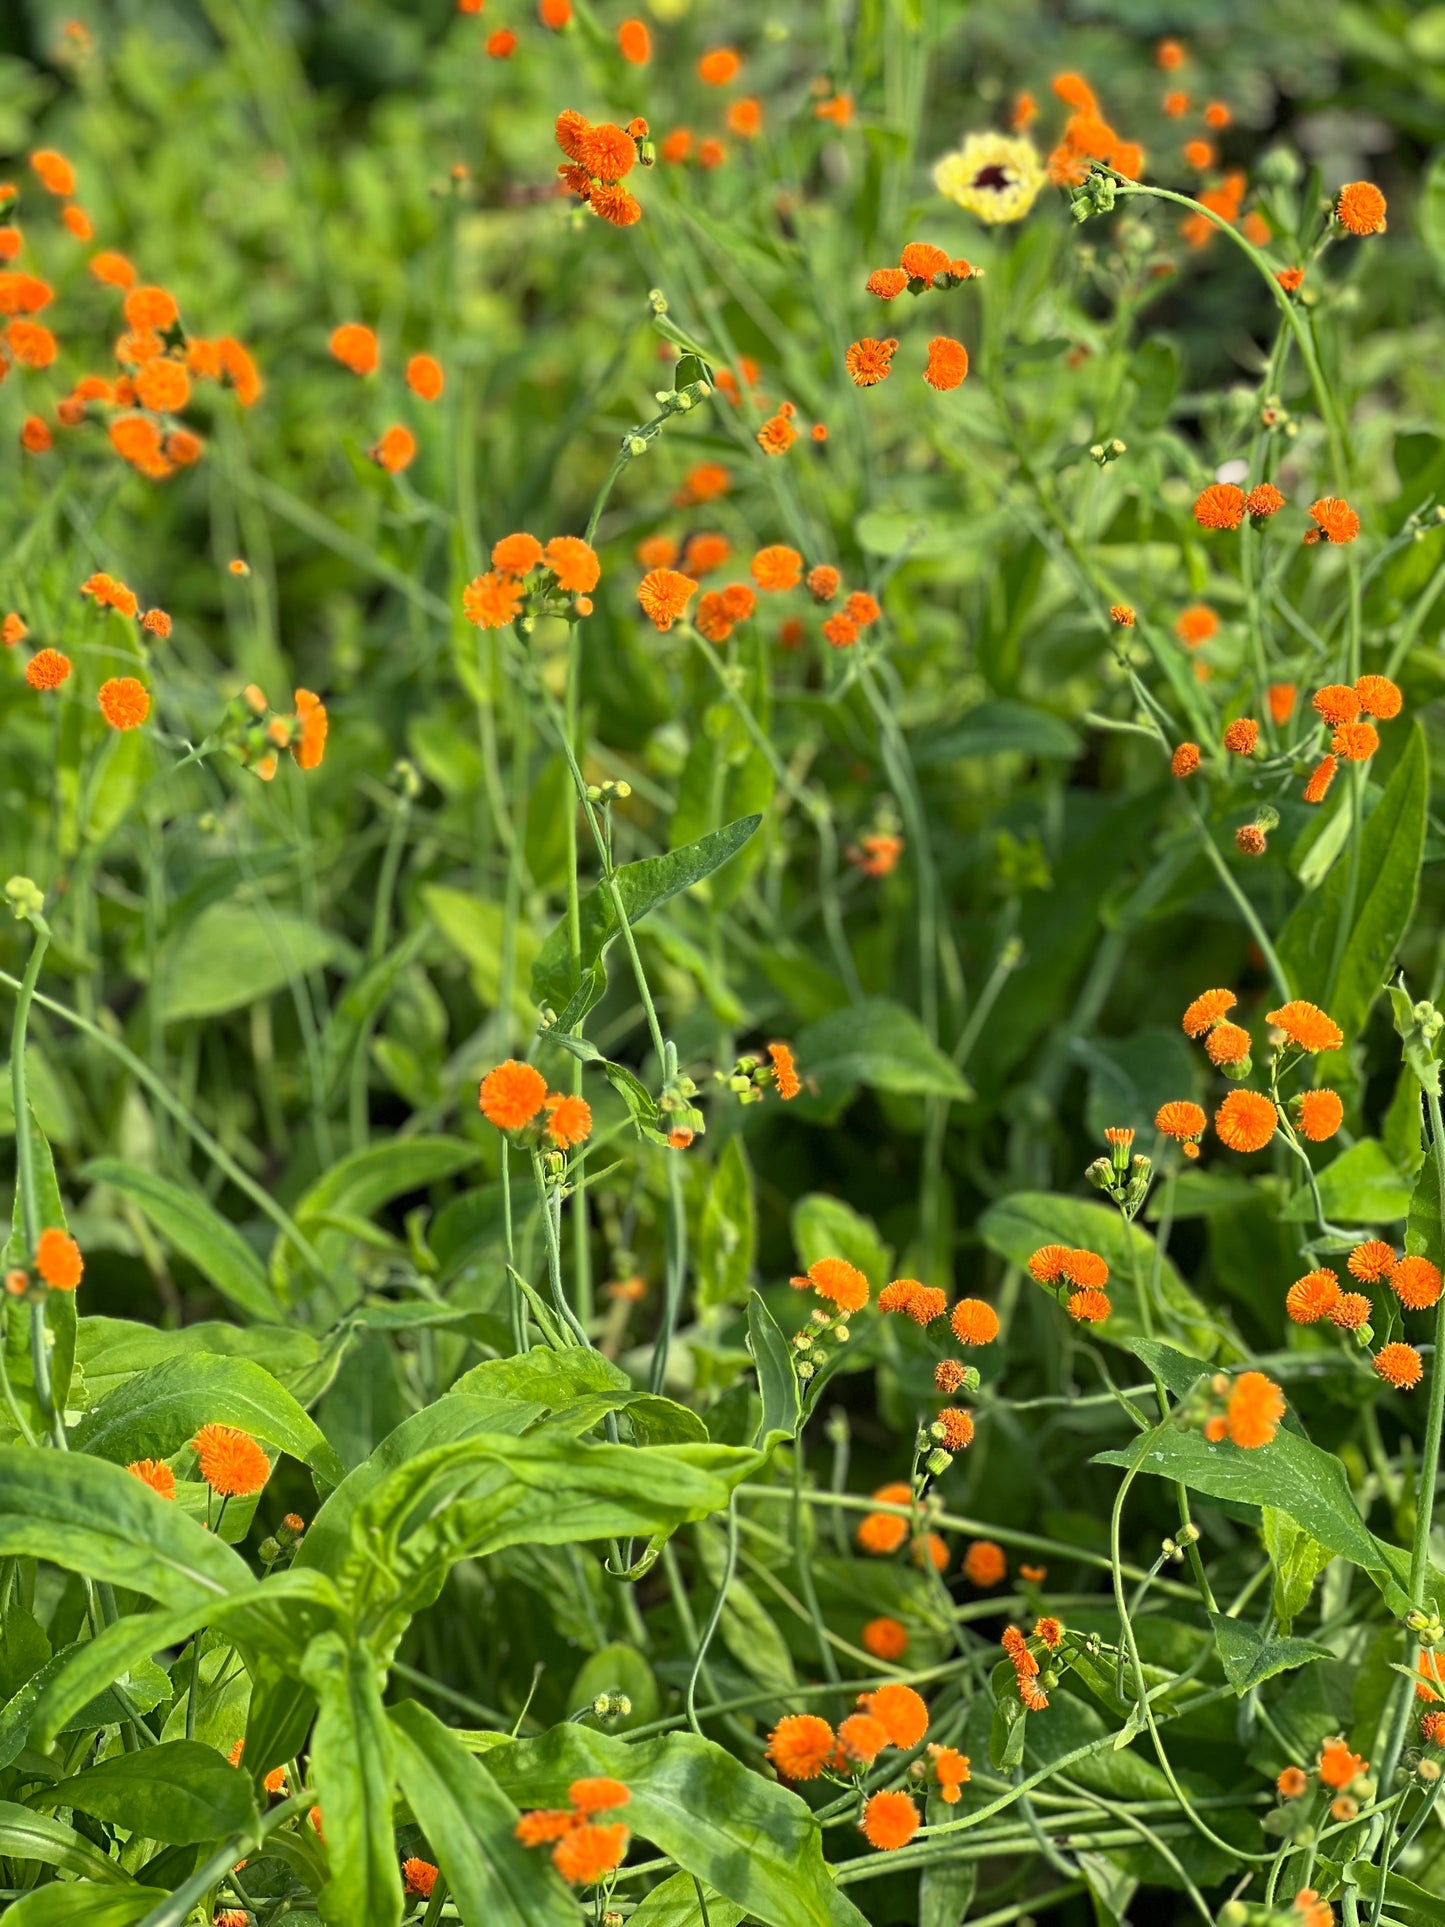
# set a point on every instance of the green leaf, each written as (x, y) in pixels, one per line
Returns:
(494, 1880)
(675, 1904)
(825, 1227)
(875, 1042)
(178, 1791)
(1388, 875)
(352, 1764)
(157, 1412)
(641, 886)
(27, 1835)
(995, 728)
(476, 929)
(1363, 1185)
(234, 954)
(1297, 1559)
(751, 1839)
(79, 1903)
(1249, 1659)
(195, 1229)
(1402, 1895)
(361, 1183)
(727, 1238)
(111, 1350)
(777, 1379)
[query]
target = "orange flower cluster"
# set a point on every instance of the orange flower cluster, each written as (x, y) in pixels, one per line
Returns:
(1253, 1408)
(1306, 1026)
(1184, 1122)
(599, 158)
(570, 568)
(1077, 1278)
(584, 1851)
(920, 266)
(58, 1261)
(882, 1533)
(512, 1095)
(836, 1280)
(922, 1303)
(870, 361)
(1088, 137)
(1018, 1646)
(802, 1747)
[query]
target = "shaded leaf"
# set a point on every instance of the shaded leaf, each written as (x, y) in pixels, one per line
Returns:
(876, 1042)
(178, 1791)
(1249, 1659)
(351, 1767)
(194, 1228)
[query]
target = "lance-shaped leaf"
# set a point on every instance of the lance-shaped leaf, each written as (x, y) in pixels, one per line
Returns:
(27, 1835)
(178, 1791)
(192, 1226)
(83, 1903)
(361, 1183)
(351, 1768)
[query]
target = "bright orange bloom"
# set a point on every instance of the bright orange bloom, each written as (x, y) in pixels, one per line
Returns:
(156, 1474)
(719, 66)
(947, 363)
(653, 552)
(156, 622)
(861, 1738)
(1337, 702)
(517, 554)
(839, 110)
(1320, 1114)
(1372, 1261)
(354, 346)
(705, 552)
(554, 13)
(1263, 501)
(1185, 760)
(138, 441)
(231, 1461)
(1122, 614)
(705, 483)
(1431, 1667)
(310, 746)
(1355, 742)
(921, 261)
(240, 371)
(1241, 735)
(574, 564)
(13, 630)
(664, 595)
(823, 582)
(1351, 1311)
(1256, 1405)
(1207, 1009)
(1291, 279)
(901, 1711)
(607, 152)
(1379, 697)
(31, 343)
(47, 669)
(887, 283)
(1220, 506)
(745, 117)
(569, 1121)
(634, 42)
(58, 1261)
(601, 1794)
(881, 1532)
(1312, 1297)
(424, 377)
(1182, 1121)
(868, 361)
(1199, 154)
(11, 242)
(777, 568)
(1338, 1766)
(985, 1565)
(1246, 1121)
(124, 702)
(1293, 1783)
(589, 1853)
(885, 1639)
(493, 600)
(162, 385)
(112, 269)
(840, 631)
(974, 1322)
(776, 436)
(511, 1095)
(56, 174)
(502, 44)
(35, 436)
(1250, 840)
(1399, 1365)
(1360, 207)
(420, 1876)
(800, 1746)
(22, 293)
(949, 1375)
(1416, 1283)
(862, 608)
(890, 1820)
(1335, 519)
(544, 1824)
(1196, 624)
(150, 308)
(396, 450)
(1321, 776)
(842, 1283)
(1307, 1025)
(1227, 1044)
(957, 1426)
(1089, 1307)
(785, 1071)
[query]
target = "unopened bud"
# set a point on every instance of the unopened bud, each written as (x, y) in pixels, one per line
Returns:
(635, 445)
(25, 897)
(938, 1462)
(840, 1332)
(1428, 1770)
(602, 1705)
(270, 1551)
(805, 1370)
(1100, 1174)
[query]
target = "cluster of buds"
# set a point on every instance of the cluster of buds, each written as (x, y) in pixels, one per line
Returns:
(921, 266)
(1031, 1655)
(610, 1706)
(1175, 1550)
(1120, 1177)
(1277, 419)
(256, 734)
(1252, 839)
(1102, 453)
(25, 897)
(810, 1353)
(605, 794)
(751, 1077)
(285, 1542)
(1096, 193)
(681, 1118)
(1427, 1627)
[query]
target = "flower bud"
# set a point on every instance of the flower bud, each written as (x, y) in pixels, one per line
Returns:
(25, 897)
(938, 1462)
(1100, 1174)
(270, 1550)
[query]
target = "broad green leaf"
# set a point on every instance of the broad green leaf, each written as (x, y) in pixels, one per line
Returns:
(111, 1350)
(82, 1903)
(476, 930)
(876, 1042)
(1363, 1186)
(641, 886)
(1404, 1897)
(777, 1379)
(994, 729)
(945, 1890)
(157, 1412)
(352, 1764)
(675, 1904)
(234, 954)
(1297, 1559)
(727, 1237)
(494, 1880)
(178, 1790)
(28, 1835)
(1388, 874)
(1423, 1237)
(194, 1228)
(756, 1843)
(1249, 1659)
(748, 1632)
(825, 1227)
(92, 1517)
(661, 1421)
(361, 1183)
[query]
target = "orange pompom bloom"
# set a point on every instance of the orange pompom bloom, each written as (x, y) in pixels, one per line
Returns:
(1263, 501)
(124, 702)
(1307, 1025)
(1199, 154)
(1185, 760)
(862, 608)
(493, 600)
(1241, 735)
(1182, 1121)
(653, 551)
(517, 554)
(156, 1474)
(1379, 697)
(1281, 698)
(1416, 1283)
(511, 1095)
(1246, 1121)
(1432, 1728)
(1356, 742)
(1122, 614)
(13, 629)
(569, 1121)
(664, 595)
(353, 344)
(777, 568)
(901, 1711)
(950, 1376)
(35, 436)
(574, 564)
(1360, 207)
(1206, 1010)
(1335, 519)
(1338, 1766)
(231, 1461)
(598, 1795)
(1220, 506)
(1319, 1114)
(801, 1745)
(32, 344)
(309, 746)
(842, 1283)
(56, 174)
(745, 117)
(719, 66)
(974, 1322)
(1399, 1365)
(868, 361)
(420, 1876)
(47, 669)
(1321, 776)
(1372, 1261)
(1312, 1297)
(395, 451)
(984, 1564)
(890, 1820)
(156, 622)
(947, 363)
(840, 631)
(861, 1738)
(706, 552)
(1256, 1405)
(543, 1824)
(634, 42)
(1292, 1784)
(1337, 702)
(589, 1853)
(1227, 1044)
(1196, 624)
(921, 261)
(502, 44)
(885, 1638)
(162, 385)
(785, 1071)
(112, 269)
(823, 582)
(1089, 1307)
(886, 283)
(424, 377)
(554, 13)
(58, 1260)
(776, 436)
(880, 1533)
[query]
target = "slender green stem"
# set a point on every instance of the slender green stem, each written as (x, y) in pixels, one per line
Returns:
(24, 1139)
(730, 1560)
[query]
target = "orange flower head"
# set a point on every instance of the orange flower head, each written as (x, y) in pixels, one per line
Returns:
(13, 630)
(777, 435)
(517, 554)
(1241, 735)
(1182, 1121)
(493, 600)
(719, 66)
(653, 552)
(1281, 698)
(868, 361)
(574, 564)
(55, 173)
(1319, 1114)
(785, 1072)
(1246, 1121)
(545, 1824)
(823, 582)
(974, 1322)
(1355, 742)
(890, 1821)
(156, 1474)
(777, 568)
(711, 619)
(569, 1121)
(1089, 1307)
(395, 451)
(1293, 1783)
(901, 1711)
(745, 117)
(32, 345)
(1312, 1297)
(420, 1876)
(634, 42)
(1307, 1025)
(800, 1746)
(1122, 614)
(1227, 1044)
(589, 1853)
(1050, 1264)
(664, 595)
(1255, 1408)
(352, 344)
(1335, 519)
(842, 1283)
(885, 1639)
(1320, 778)
(949, 1375)
(1196, 624)
(861, 1738)
(947, 363)
(1432, 1729)
(502, 44)
(1360, 207)
(1337, 703)
(156, 623)
(58, 1260)
(608, 152)
(1416, 1283)
(511, 1095)
(1379, 697)
(1399, 1365)
(1185, 760)
(862, 609)
(951, 1769)
(162, 385)
(424, 377)
(1338, 1766)
(309, 745)
(705, 552)
(35, 436)
(921, 261)
(554, 13)
(601, 1794)
(22, 293)
(47, 669)
(1199, 154)
(985, 1565)
(1263, 501)
(231, 1461)
(880, 1533)
(1207, 1009)
(1372, 1261)
(840, 631)
(1350, 1311)
(1220, 506)
(887, 283)
(124, 702)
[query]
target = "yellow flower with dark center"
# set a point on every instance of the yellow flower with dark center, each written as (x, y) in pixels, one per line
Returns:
(994, 176)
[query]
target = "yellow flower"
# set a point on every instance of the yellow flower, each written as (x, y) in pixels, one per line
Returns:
(995, 176)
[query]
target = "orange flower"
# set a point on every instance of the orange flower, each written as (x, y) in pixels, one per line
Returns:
(836, 1279)
(1312, 1297)
(535, 1829)
(1089, 1307)
(1122, 614)
(1338, 1766)
(901, 1711)
(1319, 1114)
(600, 1794)
(887, 283)
(56, 174)
(984, 1564)
(511, 1095)
(951, 1768)
(653, 552)
(32, 344)
(310, 746)
(776, 436)
(554, 13)
(1337, 702)
(777, 568)
(589, 1853)
(785, 1072)
(420, 1877)
(1360, 207)
(395, 451)
(885, 1638)
(1207, 1010)
(569, 1121)
(23, 293)
(1256, 1405)
(1227, 1044)
(1356, 742)
(634, 42)
(839, 110)
(1372, 1261)
(664, 595)
(517, 554)
(921, 261)
(840, 631)
(424, 377)
(1185, 759)
(1182, 1121)
(1281, 697)
(1246, 1121)
(862, 609)
(1291, 279)
(493, 600)
(47, 669)
(745, 117)
(890, 1820)
(13, 630)
(1263, 501)
(1199, 154)
(35, 436)
(1379, 697)
(974, 1322)
(1321, 776)
(1250, 840)
(573, 563)
(861, 1739)
(947, 363)
(880, 1533)
(823, 582)
(1350, 1311)
(1241, 735)
(1196, 624)
(1307, 1025)
(800, 1746)
(1416, 1283)
(705, 552)
(1399, 1365)
(1335, 519)
(868, 361)
(162, 385)
(502, 44)
(156, 1474)
(719, 66)
(157, 622)
(1293, 1783)
(949, 1375)
(1220, 506)
(124, 702)
(353, 344)
(58, 1260)
(231, 1461)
